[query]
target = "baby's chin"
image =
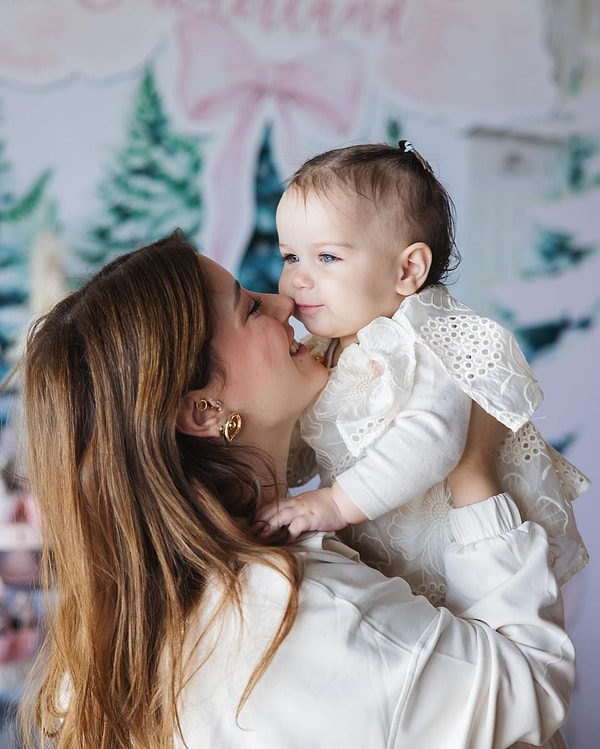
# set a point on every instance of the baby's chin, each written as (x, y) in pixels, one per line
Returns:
(322, 331)
(319, 327)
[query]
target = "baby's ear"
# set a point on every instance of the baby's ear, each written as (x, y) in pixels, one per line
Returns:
(197, 417)
(414, 263)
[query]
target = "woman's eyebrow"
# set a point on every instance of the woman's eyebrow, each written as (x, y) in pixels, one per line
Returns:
(237, 292)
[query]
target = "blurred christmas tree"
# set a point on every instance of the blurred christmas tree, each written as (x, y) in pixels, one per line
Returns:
(562, 252)
(261, 265)
(393, 132)
(555, 310)
(152, 187)
(20, 216)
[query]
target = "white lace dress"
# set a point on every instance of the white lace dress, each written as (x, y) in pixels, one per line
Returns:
(391, 424)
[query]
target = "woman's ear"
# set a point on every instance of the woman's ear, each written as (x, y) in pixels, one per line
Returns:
(414, 263)
(198, 416)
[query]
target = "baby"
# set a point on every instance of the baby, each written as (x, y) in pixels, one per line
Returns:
(367, 237)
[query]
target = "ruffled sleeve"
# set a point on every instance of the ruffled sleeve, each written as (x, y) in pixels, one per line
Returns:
(482, 357)
(367, 388)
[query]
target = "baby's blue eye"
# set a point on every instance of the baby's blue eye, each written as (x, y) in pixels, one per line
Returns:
(326, 257)
(289, 258)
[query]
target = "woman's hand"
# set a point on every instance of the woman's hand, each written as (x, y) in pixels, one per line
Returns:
(475, 477)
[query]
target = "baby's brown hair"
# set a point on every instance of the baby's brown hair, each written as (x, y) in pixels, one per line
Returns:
(398, 179)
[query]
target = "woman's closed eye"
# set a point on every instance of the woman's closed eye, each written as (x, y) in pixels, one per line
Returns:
(255, 306)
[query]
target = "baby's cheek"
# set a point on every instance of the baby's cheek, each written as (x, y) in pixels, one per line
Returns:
(284, 281)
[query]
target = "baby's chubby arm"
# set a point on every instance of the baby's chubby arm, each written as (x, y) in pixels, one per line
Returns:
(328, 509)
(421, 446)
(476, 476)
(331, 509)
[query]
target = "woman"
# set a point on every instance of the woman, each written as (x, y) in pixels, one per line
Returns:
(159, 404)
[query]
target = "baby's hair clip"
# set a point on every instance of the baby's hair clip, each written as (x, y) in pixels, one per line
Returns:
(407, 147)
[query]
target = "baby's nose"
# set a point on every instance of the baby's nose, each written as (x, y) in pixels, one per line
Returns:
(301, 278)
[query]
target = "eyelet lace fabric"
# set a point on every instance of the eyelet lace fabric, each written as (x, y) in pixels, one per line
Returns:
(369, 387)
(479, 354)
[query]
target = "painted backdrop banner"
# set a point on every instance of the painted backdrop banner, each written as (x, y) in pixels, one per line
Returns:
(312, 69)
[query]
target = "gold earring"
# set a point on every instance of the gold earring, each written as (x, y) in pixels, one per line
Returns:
(232, 427)
(203, 405)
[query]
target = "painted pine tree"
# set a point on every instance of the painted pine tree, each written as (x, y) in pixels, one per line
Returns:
(555, 312)
(20, 216)
(261, 266)
(562, 251)
(152, 186)
(393, 131)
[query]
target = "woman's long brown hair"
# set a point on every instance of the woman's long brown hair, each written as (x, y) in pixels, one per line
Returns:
(136, 518)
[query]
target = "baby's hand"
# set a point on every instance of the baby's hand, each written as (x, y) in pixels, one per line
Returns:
(310, 511)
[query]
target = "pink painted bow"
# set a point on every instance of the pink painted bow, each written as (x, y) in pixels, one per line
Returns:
(226, 84)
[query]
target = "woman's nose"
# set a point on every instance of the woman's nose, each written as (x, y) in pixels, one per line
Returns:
(279, 306)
